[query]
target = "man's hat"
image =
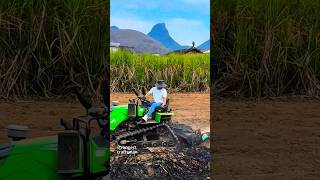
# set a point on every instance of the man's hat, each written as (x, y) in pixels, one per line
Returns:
(161, 84)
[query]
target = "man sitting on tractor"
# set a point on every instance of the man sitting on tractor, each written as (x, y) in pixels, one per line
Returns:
(159, 94)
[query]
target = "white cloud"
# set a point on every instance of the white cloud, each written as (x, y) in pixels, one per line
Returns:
(132, 23)
(184, 31)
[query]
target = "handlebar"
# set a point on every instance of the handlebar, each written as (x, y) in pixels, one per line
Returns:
(99, 118)
(139, 95)
(135, 91)
(142, 98)
(83, 100)
(99, 114)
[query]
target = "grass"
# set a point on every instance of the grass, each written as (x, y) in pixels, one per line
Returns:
(48, 47)
(266, 47)
(185, 73)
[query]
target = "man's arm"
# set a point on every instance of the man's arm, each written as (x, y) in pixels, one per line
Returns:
(164, 98)
(148, 93)
(164, 101)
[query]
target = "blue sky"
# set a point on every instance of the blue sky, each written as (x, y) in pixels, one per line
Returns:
(186, 20)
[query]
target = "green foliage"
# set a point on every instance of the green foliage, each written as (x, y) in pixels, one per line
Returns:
(188, 72)
(49, 46)
(266, 47)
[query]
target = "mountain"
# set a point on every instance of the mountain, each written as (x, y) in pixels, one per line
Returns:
(113, 28)
(139, 41)
(160, 33)
(204, 46)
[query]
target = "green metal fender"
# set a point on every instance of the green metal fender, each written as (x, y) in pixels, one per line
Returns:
(31, 159)
(119, 114)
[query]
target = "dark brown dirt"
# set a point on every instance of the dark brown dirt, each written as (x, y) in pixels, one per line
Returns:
(188, 163)
(267, 139)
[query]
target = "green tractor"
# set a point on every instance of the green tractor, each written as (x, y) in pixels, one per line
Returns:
(75, 153)
(80, 153)
(127, 127)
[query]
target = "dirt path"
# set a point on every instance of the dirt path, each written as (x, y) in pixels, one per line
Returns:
(43, 117)
(270, 139)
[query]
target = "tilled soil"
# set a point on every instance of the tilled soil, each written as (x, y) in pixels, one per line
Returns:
(192, 109)
(159, 163)
(275, 138)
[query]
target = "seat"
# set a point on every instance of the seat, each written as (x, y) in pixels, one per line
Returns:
(165, 108)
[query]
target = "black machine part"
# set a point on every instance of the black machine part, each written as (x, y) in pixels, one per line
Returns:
(131, 109)
(140, 95)
(144, 90)
(101, 115)
(69, 152)
(17, 132)
(182, 134)
(144, 144)
(135, 91)
(86, 103)
(186, 135)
